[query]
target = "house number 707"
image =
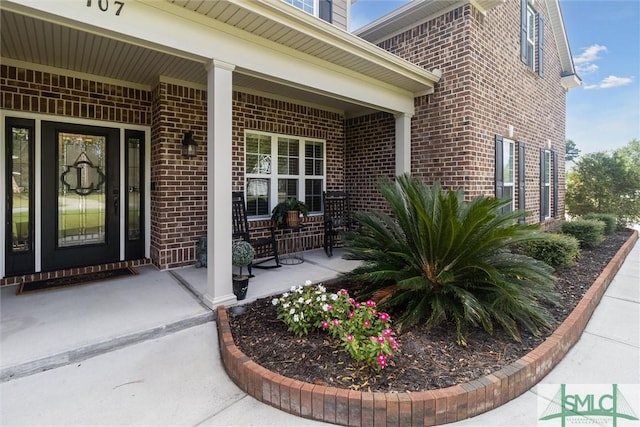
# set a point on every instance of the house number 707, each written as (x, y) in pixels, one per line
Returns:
(103, 5)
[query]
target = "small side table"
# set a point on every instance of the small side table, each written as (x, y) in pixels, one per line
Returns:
(293, 245)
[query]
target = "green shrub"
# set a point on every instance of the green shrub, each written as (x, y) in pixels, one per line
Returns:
(557, 250)
(589, 232)
(610, 221)
(438, 258)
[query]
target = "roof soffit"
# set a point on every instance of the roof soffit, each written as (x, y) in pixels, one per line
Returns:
(285, 25)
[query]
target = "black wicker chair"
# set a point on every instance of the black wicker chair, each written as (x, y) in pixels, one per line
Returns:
(337, 217)
(266, 247)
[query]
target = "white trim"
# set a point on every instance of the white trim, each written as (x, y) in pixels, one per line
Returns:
(274, 176)
(512, 184)
(37, 159)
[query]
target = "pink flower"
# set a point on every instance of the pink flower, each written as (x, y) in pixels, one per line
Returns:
(344, 292)
(382, 360)
(349, 338)
(325, 324)
(381, 340)
(357, 305)
(336, 322)
(350, 315)
(352, 301)
(366, 323)
(370, 303)
(387, 332)
(384, 317)
(329, 307)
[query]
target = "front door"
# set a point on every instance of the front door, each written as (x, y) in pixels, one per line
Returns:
(80, 195)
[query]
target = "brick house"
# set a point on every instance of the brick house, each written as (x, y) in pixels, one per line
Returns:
(98, 99)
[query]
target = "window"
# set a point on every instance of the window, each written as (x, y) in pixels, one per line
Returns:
(505, 171)
(531, 38)
(320, 8)
(306, 5)
(545, 184)
(299, 171)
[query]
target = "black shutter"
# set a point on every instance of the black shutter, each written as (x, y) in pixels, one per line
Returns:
(325, 10)
(542, 169)
(540, 45)
(555, 184)
(499, 166)
(521, 181)
(523, 31)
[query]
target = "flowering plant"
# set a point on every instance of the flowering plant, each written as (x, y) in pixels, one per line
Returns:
(363, 332)
(301, 307)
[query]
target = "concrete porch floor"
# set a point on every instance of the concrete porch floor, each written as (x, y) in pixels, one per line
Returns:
(48, 329)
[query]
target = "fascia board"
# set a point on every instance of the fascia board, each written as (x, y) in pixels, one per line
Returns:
(334, 36)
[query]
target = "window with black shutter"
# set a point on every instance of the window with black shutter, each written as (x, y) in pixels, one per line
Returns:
(531, 37)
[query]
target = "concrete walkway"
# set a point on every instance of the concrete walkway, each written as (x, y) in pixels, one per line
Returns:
(143, 351)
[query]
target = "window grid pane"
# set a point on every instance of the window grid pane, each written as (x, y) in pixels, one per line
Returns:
(287, 188)
(258, 154)
(288, 156)
(258, 196)
(313, 195)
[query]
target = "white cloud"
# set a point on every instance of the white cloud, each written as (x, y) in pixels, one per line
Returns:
(611, 81)
(586, 68)
(589, 54)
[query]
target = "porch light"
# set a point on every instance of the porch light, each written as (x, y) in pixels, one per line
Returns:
(189, 146)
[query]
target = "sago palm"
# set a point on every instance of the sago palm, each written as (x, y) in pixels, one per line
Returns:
(437, 257)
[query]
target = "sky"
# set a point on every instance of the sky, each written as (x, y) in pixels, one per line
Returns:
(604, 35)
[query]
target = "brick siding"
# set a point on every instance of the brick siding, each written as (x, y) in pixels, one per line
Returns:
(484, 88)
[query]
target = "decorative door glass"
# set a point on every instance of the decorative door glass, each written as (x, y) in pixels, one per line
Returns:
(20, 186)
(81, 190)
(133, 190)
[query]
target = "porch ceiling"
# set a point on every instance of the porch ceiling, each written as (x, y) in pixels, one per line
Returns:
(53, 42)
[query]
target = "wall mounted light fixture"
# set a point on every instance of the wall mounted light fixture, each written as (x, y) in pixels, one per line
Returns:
(189, 146)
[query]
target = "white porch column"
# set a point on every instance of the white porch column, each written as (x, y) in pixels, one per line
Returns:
(403, 143)
(219, 227)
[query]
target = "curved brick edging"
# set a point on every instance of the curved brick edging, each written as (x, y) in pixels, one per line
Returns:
(428, 408)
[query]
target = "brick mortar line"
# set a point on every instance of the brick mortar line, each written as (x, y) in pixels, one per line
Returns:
(429, 407)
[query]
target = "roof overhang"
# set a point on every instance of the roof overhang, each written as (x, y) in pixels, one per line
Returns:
(413, 13)
(419, 11)
(289, 26)
(569, 77)
(179, 37)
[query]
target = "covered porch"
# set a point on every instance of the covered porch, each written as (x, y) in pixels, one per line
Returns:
(45, 330)
(205, 70)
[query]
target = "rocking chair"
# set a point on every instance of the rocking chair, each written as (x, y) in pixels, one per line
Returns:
(266, 247)
(337, 217)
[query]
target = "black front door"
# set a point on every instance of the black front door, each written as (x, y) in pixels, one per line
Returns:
(80, 195)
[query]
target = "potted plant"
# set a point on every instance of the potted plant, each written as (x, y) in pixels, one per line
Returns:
(242, 255)
(287, 213)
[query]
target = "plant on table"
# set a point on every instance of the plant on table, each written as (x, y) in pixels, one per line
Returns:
(436, 257)
(290, 204)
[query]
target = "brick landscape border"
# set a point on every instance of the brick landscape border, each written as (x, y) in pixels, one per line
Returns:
(427, 408)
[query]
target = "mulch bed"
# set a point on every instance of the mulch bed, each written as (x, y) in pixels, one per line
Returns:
(428, 359)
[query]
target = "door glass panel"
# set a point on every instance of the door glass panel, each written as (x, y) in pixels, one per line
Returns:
(133, 190)
(81, 193)
(20, 190)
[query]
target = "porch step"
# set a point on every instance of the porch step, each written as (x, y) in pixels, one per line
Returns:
(91, 350)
